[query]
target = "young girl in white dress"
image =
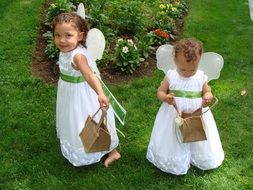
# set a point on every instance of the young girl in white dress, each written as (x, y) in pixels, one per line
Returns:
(79, 92)
(164, 149)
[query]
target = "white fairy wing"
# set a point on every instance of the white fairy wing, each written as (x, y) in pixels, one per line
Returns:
(80, 10)
(95, 43)
(164, 57)
(211, 63)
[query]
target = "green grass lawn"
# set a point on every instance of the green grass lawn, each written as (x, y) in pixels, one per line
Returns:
(30, 155)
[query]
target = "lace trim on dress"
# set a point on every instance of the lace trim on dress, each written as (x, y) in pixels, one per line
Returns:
(174, 165)
(207, 161)
(78, 157)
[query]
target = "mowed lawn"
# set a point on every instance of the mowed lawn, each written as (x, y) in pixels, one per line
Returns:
(30, 156)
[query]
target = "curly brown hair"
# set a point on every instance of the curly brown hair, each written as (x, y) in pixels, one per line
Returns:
(190, 48)
(78, 22)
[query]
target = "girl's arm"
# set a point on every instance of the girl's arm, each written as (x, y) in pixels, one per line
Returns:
(162, 92)
(82, 65)
(207, 94)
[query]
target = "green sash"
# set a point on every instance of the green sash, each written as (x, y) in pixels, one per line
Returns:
(119, 111)
(186, 94)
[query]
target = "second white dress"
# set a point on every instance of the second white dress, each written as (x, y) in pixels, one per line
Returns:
(164, 149)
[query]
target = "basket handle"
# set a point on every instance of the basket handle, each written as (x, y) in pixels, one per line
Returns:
(95, 113)
(104, 113)
(102, 116)
(211, 107)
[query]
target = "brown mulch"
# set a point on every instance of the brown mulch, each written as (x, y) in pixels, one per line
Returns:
(112, 75)
(41, 65)
(48, 71)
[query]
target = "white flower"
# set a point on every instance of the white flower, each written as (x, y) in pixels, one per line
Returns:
(179, 121)
(130, 42)
(125, 49)
(119, 40)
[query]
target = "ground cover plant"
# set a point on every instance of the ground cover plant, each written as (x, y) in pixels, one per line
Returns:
(30, 157)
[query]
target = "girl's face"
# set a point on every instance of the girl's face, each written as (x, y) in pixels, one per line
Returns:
(184, 68)
(66, 37)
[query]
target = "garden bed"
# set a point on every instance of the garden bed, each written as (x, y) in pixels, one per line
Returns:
(47, 69)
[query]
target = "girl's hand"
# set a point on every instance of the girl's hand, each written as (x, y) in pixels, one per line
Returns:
(103, 101)
(207, 98)
(169, 98)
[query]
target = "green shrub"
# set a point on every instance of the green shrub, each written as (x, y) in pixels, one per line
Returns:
(174, 9)
(56, 8)
(127, 57)
(168, 14)
(95, 13)
(144, 43)
(51, 50)
(126, 17)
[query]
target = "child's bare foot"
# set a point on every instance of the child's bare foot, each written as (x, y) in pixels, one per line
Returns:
(112, 156)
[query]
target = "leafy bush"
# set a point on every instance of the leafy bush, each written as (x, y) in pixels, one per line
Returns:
(174, 9)
(126, 17)
(95, 13)
(51, 50)
(169, 13)
(166, 24)
(56, 8)
(144, 43)
(126, 55)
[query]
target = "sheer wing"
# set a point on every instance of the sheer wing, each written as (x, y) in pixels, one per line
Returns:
(211, 63)
(164, 56)
(80, 10)
(95, 43)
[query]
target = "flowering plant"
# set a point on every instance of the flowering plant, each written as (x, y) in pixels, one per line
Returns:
(56, 8)
(173, 8)
(162, 36)
(126, 55)
(169, 12)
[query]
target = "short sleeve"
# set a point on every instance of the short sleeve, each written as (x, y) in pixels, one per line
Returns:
(168, 74)
(205, 77)
(78, 50)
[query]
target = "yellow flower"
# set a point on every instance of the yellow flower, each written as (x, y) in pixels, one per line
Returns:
(169, 6)
(162, 6)
(174, 9)
(162, 12)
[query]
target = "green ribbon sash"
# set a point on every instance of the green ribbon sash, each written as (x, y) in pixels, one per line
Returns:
(72, 79)
(118, 110)
(186, 94)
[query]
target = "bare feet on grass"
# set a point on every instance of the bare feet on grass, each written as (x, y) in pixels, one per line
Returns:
(112, 156)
